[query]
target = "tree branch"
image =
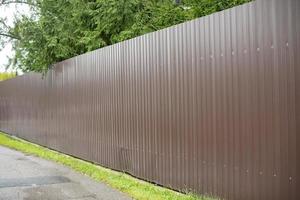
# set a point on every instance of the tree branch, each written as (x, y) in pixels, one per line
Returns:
(9, 36)
(3, 2)
(4, 24)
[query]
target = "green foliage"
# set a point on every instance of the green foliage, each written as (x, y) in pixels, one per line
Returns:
(201, 8)
(61, 29)
(5, 75)
(135, 188)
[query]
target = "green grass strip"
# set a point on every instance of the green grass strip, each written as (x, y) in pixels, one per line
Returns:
(135, 188)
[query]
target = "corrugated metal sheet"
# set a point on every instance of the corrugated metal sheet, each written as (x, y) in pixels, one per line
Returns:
(211, 105)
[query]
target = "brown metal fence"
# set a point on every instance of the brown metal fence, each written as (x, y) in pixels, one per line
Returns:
(211, 105)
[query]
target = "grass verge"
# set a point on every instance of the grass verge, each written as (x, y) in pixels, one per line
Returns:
(134, 187)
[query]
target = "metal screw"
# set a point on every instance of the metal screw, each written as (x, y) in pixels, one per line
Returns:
(258, 49)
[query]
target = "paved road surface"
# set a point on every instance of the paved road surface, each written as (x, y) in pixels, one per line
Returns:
(24, 177)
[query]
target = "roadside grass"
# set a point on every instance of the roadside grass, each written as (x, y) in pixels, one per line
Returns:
(135, 188)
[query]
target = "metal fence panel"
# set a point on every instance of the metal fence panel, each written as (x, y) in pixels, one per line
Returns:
(211, 105)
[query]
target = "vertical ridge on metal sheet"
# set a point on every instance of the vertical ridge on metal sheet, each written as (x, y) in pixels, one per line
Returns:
(296, 6)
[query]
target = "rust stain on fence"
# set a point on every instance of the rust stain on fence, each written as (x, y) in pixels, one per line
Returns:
(211, 105)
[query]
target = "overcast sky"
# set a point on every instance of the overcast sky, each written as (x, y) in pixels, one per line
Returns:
(9, 12)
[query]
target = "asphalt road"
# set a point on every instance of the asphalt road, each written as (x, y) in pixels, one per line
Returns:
(25, 177)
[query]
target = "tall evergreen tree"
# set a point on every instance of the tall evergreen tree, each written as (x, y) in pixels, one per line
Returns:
(61, 29)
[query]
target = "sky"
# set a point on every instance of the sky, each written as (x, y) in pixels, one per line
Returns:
(9, 12)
